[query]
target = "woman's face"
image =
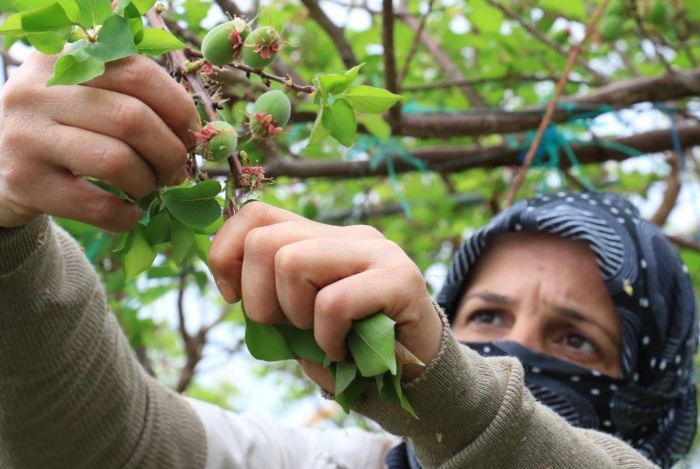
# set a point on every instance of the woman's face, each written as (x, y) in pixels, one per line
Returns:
(546, 293)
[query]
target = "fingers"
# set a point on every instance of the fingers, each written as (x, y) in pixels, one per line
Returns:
(226, 253)
(145, 80)
(303, 268)
(86, 153)
(73, 197)
(121, 117)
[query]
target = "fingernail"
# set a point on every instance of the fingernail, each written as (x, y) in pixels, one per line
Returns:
(181, 177)
(227, 291)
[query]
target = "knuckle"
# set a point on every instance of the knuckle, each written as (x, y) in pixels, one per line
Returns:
(330, 302)
(103, 208)
(253, 212)
(366, 231)
(111, 161)
(127, 116)
(288, 260)
(256, 242)
(16, 96)
(15, 176)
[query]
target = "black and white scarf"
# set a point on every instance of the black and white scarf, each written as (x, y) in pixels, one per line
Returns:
(653, 405)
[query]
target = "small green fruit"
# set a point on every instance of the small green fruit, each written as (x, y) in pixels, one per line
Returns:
(275, 103)
(617, 8)
(611, 27)
(223, 44)
(261, 47)
(658, 13)
(223, 143)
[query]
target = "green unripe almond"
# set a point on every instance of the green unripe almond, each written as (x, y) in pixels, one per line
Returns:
(617, 8)
(658, 13)
(275, 103)
(223, 143)
(261, 47)
(218, 47)
(611, 27)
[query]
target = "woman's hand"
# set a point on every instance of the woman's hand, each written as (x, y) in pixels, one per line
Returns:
(288, 269)
(130, 128)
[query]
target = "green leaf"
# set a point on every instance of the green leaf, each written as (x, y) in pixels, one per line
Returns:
(114, 41)
(195, 12)
(182, 238)
(344, 373)
(376, 125)
(144, 5)
(370, 99)
(49, 43)
(139, 255)
(156, 42)
(94, 12)
(318, 131)
(51, 18)
(392, 391)
(336, 83)
(340, 120)
(158, 229)
(265, 342)
(353, 392)
(77, 66)
(195, 206)
(302, 343)
(202, 243)
(371, 343)
(13, 24)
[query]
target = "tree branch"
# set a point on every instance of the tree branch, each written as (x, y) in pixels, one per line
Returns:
(507, 78)
(334, 32)
(667, 87)
(416, 41)
(520, 176)
(450, 159)
(673, 189)
(390, 76)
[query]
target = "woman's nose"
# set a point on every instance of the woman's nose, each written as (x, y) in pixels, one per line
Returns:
(526, 331)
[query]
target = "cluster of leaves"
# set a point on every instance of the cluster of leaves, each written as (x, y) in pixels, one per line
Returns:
(340, 100)
(96, 34)
(371, 343)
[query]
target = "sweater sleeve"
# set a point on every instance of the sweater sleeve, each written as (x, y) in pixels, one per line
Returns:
(476, 412)
(72, 394)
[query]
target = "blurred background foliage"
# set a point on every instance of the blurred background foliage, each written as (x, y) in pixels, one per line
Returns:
(476, 76)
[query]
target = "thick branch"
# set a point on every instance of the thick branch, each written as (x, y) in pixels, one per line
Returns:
(443, 60)
(334, 32)
(390, 74)
(668, 87)
(454, 159)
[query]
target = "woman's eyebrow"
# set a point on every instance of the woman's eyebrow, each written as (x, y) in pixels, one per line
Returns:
(491, 297)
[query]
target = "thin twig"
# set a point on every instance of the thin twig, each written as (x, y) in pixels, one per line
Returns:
(537, 34)
(287, 81)
(673, 190)
(520, 177)
(415, 44)
(510, 77)
(334, 32)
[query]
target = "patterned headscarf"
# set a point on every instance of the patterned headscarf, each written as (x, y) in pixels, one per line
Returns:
(653, 405)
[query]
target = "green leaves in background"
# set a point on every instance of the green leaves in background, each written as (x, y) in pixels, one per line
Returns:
(195, 206)
(339, 101)
(371, 342)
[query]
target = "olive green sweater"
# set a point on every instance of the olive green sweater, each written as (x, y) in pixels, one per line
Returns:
(72, 395)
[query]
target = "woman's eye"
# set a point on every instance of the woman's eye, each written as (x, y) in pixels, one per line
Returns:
(494, 318)
(580, 343)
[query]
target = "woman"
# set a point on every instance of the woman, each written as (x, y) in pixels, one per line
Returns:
(73, 395)
(633, 377)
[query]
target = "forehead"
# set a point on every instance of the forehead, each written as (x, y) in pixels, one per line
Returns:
(565, 268)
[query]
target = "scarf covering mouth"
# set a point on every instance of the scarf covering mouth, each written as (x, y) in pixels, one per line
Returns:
(652, 406)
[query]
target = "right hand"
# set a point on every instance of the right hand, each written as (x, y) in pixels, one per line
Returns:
(130, 128)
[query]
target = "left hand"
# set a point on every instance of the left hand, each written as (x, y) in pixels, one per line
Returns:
(288, 269)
